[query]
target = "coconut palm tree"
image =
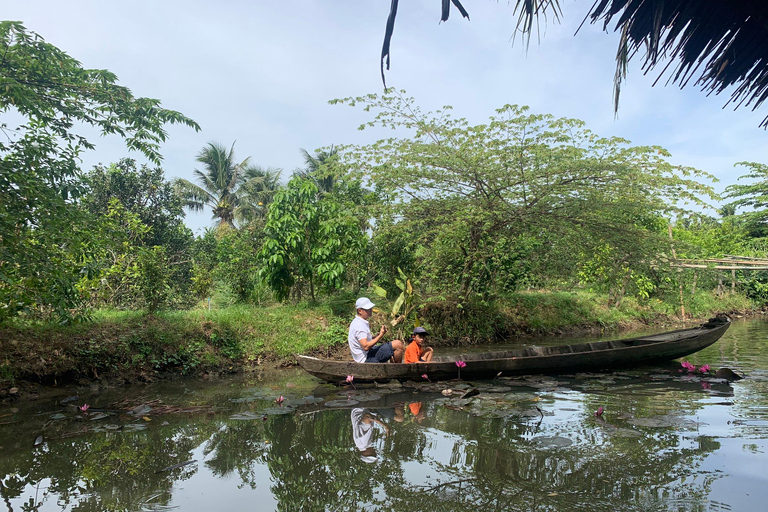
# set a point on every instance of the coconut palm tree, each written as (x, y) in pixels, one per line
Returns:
(225, 185)
(317, 167)
(219, 180)
(257, 191)
(235, 191)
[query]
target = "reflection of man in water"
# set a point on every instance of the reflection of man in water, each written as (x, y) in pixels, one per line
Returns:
(362, 432)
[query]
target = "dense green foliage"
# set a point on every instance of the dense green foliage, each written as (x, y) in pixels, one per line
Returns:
(452, 224)
(521, 201)
(45, 242)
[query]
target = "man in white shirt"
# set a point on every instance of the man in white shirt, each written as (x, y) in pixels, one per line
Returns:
(363, 346)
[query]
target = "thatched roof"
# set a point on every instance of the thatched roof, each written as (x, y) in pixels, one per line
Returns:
(714, 43)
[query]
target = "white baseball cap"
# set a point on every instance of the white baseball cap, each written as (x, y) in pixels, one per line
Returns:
(364, 303)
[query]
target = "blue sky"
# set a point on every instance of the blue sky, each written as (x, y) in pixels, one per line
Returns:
(261, 73)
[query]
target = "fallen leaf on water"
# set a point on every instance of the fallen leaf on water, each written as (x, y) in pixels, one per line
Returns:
(552, 494)
(146, 418)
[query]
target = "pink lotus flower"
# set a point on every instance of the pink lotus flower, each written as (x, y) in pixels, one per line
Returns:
(460, 364)
(599, 411)
(84, 407)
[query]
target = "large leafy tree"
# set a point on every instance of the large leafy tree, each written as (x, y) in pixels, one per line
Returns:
(310, 240)
(44, 240)
(142, 190)
(145, 227)
(477, 195)
(232, 189)
(751, 198)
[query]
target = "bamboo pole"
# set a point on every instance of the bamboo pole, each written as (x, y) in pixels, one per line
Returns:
(674, 256)
(715, 267)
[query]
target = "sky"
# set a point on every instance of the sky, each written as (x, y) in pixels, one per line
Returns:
(259, 74)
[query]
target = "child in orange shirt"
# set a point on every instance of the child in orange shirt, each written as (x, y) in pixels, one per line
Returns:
(416, 353)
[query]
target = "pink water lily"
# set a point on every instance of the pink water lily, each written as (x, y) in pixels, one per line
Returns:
(460, 364)
(704, 369)
(688, 366)
(350, 379)
(425, 376)
(280, 399)
(84, 407)
(599, 411)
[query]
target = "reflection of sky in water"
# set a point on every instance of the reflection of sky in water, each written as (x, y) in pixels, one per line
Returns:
(210, 493)
(664, 442)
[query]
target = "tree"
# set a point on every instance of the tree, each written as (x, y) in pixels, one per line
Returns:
(752, 197)
(320, 168)
(144, 191)
(228, 187)
(121, 278)
(43, 239)
(473, 193)
(725, 40)
(258, 190)
(309, 240)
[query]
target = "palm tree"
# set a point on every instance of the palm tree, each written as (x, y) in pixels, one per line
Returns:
(227, 186)
(257, 191)
(317, 167)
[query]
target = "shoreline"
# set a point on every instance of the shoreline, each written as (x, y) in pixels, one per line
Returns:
(135, 348)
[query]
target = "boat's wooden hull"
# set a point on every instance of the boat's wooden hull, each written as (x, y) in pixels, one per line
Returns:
(601, 355)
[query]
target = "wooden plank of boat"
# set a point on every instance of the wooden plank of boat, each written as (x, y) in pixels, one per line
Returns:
(591, 356)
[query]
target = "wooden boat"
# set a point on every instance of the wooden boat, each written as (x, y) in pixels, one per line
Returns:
(592, 356)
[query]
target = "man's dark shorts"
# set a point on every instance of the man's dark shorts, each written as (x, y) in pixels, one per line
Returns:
(380, 353)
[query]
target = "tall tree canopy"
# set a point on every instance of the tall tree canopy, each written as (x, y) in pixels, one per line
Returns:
(476, 195)
(42, 238)
(752, 198)
(719, 44)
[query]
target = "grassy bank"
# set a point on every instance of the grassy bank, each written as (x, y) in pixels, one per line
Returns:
(134, 346)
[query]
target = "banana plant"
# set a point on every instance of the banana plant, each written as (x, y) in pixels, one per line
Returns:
(405, 304)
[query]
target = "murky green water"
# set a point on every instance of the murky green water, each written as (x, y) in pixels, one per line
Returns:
(665, 441)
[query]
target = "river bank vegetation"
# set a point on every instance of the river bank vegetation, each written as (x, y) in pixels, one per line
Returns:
(526, 224)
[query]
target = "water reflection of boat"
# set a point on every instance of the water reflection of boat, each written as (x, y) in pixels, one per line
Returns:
(601, 355)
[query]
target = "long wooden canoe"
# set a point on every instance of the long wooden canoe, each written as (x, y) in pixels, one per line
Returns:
(592, 356)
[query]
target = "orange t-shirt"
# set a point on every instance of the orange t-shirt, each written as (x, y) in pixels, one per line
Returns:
(413, 353)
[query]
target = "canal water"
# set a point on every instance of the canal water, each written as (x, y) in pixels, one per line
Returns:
(667, 439)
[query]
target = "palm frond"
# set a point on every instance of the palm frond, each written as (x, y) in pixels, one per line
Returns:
(193, 197)
(719, 45)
